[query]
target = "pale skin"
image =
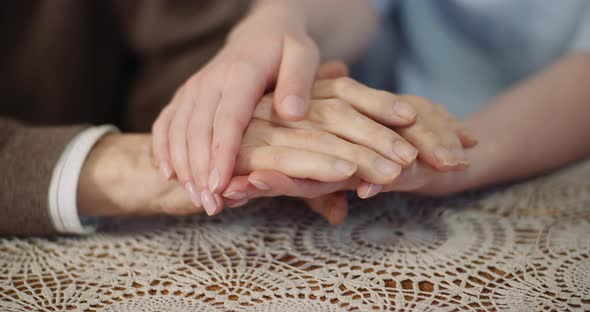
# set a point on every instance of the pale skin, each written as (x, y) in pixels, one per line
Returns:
(278, 46)
(320, 148)
(539, 125)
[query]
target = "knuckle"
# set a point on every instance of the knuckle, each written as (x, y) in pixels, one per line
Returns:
(384, 97)
(324, 111)
(427, 135)
(392, 136)
(188, 90)
(298, 40)
(336, 106)
(314, 51)
(422, 129)
(384, 102)
(419, 131)
(163, 120)
(309, 135)
(277, 159)
(244, 68)
(342, 84)
(374, 131)
(231, 122)
(360, 155)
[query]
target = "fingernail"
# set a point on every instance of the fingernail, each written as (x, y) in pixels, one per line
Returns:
(193, 194)
(337, 215)
(345, 167)
(214, 180)
(444, 156)
(166, 170)
(404, 110)
(239, 203)
(259, 184)
(386, 167)
(294, 106)
(406, 152)
(235, 195)
(466, 133)
(208, 202)
(372, 190)
(218, 202)
(460, 155)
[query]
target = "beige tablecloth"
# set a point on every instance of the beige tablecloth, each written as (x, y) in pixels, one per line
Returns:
(520, 248)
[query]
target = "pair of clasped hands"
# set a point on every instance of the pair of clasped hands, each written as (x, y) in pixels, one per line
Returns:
(352, 137)
(226, 139)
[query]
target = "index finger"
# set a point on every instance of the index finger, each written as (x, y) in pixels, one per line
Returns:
(382, 106)
(245, 86)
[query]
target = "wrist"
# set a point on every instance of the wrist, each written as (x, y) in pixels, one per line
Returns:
(273, 16)
(112, 175)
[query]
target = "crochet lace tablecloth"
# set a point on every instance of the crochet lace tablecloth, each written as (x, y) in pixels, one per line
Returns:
(520, 248)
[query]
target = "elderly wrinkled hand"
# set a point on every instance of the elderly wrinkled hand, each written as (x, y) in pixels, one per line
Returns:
(438, 137)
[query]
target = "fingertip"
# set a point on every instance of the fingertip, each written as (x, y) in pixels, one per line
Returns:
(405, 112)
(467, 139)
(258, 183)
(210, 202)
(166, 170)
(369, 190)
(345, 167)
(219, 204)
(389, 171)
(214, 180)
(362, 189)
(444, 157)
(194, 196)
(235, 195)
(405, 152)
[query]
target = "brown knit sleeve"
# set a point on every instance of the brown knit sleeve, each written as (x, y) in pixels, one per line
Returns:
(171, 40)
(27, 158)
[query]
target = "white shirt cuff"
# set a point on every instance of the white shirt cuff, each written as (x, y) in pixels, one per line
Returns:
(63, 187)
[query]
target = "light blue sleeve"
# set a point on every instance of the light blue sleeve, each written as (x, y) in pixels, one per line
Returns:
(385, 6)
(582, 38)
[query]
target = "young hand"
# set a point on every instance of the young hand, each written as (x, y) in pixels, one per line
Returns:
(197, 136)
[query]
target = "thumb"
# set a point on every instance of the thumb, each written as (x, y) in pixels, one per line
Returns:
(297, 73)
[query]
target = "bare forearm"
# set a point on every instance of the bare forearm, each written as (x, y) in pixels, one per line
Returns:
(342, 29)
(541, 124)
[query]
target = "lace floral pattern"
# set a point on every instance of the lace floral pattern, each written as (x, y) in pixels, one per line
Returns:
(521, 248)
